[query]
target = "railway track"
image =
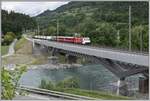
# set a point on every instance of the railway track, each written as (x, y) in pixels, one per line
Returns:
(50, 93)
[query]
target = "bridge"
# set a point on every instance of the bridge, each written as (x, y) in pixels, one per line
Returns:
(120, 63)
(128, 57)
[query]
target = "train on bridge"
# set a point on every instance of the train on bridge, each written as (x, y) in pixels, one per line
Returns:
(68, 39)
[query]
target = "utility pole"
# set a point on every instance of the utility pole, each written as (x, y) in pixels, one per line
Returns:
(23, 30)
(43, 33)
(57, 28)
(129, 28)
(118, 38)
(141, 41)
(38, 30)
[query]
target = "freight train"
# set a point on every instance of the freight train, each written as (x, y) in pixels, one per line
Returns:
(67, 39)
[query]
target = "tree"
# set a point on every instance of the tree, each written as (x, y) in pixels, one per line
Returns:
(137, 33)
(16, 22)
(70, 82)
(51, 30)
(105, 34)
(9, 37)
(145, 38)
(46, 85)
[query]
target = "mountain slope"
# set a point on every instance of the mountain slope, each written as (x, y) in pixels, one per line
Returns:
(111, 9)
(101, 21)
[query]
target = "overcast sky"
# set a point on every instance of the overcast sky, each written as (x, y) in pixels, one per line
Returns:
(31, 8)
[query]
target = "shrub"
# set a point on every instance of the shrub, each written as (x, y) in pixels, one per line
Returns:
(9, 37)
(70, 82)
(46, 85)
(9, 80)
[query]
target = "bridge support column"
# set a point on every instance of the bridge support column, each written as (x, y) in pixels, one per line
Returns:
(33, 46)
(53, 60)
(38, 49)
(122, 88)
(35, 49)
(71, 59)
(143, 84)
(54, 52)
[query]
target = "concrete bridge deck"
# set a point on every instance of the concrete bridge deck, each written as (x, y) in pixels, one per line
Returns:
(127, 57)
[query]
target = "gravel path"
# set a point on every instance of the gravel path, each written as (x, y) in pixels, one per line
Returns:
(33, 96)
(11, 50)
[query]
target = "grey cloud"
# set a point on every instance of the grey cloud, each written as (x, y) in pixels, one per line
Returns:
(31, 8)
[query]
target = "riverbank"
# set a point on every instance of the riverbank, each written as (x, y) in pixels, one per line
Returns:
(94, 94)
(21, 53)
(54, 66)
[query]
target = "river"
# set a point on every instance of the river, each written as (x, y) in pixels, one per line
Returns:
(91, 77)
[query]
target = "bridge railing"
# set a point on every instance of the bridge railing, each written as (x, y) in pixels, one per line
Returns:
(54, 93)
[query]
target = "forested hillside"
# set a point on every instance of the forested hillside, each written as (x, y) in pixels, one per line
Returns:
(101, 21)
(14, 23)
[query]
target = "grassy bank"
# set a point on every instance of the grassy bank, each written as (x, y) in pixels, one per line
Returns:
(94, 94)
(23, 54)
(4, 50)
(71, 85)
(23, 46)
(20, 43)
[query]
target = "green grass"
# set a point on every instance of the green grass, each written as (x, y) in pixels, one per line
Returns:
(4, 50)
(94, 94)
(20, 43)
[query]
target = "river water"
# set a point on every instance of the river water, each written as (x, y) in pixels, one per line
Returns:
(91, 77)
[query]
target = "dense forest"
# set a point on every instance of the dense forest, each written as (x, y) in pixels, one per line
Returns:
(14, 23)
(106, 23)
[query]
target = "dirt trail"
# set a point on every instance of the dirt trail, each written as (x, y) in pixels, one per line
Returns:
(11, 50)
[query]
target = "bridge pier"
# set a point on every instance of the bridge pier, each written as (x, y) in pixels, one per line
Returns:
(143, 84)
(122, 88)
(39, 49)
(53, 60)
(54, 52)
(35, 49)
(71, 59)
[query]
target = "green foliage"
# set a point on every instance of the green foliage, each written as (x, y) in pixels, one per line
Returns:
(7, 85)
(51, 30)
(20, 43)
(46, 85)
(8, 38)
(140, 32)
(4, 50)
(105, 34)
(9, 81)
(94, 94)
(71, 85)
(70, 82)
